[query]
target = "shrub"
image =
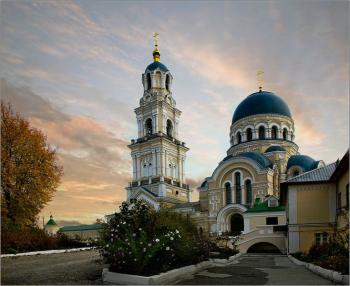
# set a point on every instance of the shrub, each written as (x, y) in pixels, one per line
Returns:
(16, 240)
(139, 240)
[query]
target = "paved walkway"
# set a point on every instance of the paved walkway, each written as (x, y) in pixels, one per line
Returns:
(257, 269)
(80, 268)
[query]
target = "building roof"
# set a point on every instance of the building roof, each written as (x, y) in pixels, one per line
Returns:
(322, 174)
(264, 207)
(260, 159)
(82, 227)
(51, 221)
(303, 161)
(341, 167)
(261, 102)
(156, 65)
(195, 205)
(274, 148)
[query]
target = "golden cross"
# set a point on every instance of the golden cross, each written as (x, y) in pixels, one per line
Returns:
(260, 77)
(155, 36)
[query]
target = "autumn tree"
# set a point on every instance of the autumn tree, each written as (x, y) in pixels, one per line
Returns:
(30, 173)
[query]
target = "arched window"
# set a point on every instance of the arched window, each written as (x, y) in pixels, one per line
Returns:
(238, 187)
(169, 128)
(239, 138)
(149, 85)
(296, 173)
(148, 126)
(285, 132)
(158, 79)
(261, 132)
(274, 132)
(248, 190)
(228, 193)
(249, 134)
(167, 82)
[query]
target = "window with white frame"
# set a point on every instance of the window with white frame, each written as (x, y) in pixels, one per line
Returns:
(321, 238)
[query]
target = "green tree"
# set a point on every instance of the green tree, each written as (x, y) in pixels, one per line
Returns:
(30, 173)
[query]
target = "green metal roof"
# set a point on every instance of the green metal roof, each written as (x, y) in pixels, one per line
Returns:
(81, 227)
(263, 207)
(51, 221)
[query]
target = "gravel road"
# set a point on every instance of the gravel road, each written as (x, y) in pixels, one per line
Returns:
(82, 268)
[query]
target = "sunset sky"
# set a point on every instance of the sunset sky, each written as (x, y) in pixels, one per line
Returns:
(73, 68)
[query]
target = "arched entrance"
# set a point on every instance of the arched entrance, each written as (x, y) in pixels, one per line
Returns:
(226, 215)
(237, 225)
(263, 247)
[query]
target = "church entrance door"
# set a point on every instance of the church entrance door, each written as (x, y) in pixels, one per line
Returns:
(237, 225)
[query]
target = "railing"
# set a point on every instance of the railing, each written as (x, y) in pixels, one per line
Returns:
(155, 180)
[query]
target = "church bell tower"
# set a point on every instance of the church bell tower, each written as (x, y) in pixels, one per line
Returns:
(158, 155)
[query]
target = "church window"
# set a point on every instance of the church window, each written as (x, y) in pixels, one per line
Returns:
(285, 132)
(248, 188)
(274, 132)
(261, 132)
(158, 79)
(167, 82)
(228, 193)
(148, 77)
(169, 128)
(149, 127)
(238, 187)
(249, 134)
(239, 138)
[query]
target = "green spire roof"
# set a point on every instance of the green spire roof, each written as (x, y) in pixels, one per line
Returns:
(51, 221)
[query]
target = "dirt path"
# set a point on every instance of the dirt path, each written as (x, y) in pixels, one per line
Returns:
(81, 268)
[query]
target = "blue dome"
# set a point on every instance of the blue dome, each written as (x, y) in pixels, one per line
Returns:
(274, 148)
(303, 161)
(260, 159)
(261, 102)
(153, 66)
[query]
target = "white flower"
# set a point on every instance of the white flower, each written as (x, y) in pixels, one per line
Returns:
(126, 239)
(134, 234)
(171, 238)
(129, 252)
(107, 245)
(141, 242)
(149, 244)
(167, 248)
(144, 250)
(135, 259)
(176, 231)
(124, 222)
(140, 229)
(157, 240)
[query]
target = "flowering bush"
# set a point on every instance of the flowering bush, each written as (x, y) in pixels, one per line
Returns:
(139, 240)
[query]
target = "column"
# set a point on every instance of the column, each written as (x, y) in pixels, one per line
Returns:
(138, 166)
(139, 128)
(154, 163)
(243, 193)
(134, 168)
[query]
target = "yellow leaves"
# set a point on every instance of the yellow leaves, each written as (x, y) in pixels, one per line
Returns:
(29, 170)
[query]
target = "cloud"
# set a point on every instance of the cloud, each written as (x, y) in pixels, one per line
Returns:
(96, 163)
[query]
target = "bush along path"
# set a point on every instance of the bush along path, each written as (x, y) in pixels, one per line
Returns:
(141, 241)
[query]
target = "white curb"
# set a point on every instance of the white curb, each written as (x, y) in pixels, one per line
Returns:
(325, 273)
(169, 277)
(46, 252)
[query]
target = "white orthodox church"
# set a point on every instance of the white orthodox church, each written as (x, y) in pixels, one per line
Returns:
(242, 195)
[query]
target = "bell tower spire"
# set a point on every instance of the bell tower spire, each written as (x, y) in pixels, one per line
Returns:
(156, 53)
